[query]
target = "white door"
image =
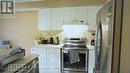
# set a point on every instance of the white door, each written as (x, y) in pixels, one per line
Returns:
(80, 14)
(55, 18)
(43, 19)
(53, 60)
(68, 15)
(42, 58)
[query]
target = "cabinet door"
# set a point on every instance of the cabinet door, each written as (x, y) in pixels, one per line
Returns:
(53, 60)
(80, 13)
(67, 14)
(55, 18)
(43, 19)
(42, 58)
(74, 15)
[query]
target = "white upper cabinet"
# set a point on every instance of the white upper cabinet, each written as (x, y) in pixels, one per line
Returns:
(67, 14)
(54, 18)
(50, 19)
(74, 14)
(80, 13)
(43, 19)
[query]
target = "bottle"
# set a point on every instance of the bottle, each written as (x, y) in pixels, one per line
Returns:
(57, 41)
(51, 40)
(93, 39)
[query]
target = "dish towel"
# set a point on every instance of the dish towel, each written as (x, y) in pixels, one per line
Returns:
(74, 56)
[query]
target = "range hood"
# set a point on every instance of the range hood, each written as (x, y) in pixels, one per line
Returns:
(74, 30)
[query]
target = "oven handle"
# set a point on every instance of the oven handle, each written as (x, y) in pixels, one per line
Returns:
(77, 49)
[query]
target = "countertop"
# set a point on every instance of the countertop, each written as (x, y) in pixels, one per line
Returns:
(90, 47)
(25, 60)
(48, 46)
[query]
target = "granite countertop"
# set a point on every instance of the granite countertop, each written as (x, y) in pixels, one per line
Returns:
(49, 46)
(25, 60)
(90, 47)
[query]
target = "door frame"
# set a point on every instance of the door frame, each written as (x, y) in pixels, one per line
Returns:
(125, 41)
(116, 51)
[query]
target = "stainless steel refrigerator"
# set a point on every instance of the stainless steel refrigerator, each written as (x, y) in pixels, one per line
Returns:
(104, 39)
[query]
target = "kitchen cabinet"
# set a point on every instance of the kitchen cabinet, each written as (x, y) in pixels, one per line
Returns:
(54, 18)
(53, 59)
(81, 13)
(42, 58)
(74, 14)
(50, 19)
(49, 58)
(67, 14)
(43, 19)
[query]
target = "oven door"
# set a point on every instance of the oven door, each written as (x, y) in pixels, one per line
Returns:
(80, 66)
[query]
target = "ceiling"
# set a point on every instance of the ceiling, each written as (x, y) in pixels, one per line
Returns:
(23, 1)
(57, 3)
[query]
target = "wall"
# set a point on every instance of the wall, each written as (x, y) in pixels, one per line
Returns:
(125, 49)
(21, 29)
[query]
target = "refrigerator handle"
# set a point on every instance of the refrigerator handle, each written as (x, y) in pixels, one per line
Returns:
(98, 49)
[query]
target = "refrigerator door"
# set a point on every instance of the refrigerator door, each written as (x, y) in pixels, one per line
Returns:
(104, 37)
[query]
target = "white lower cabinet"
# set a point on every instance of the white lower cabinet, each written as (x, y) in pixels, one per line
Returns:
(50, 62)
(42, 58)
(49, 59)
(53, 59)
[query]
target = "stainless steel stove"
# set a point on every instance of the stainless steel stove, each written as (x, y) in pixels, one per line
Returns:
(74, 56)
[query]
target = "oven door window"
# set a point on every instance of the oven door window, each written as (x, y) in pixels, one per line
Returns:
(80, 65)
